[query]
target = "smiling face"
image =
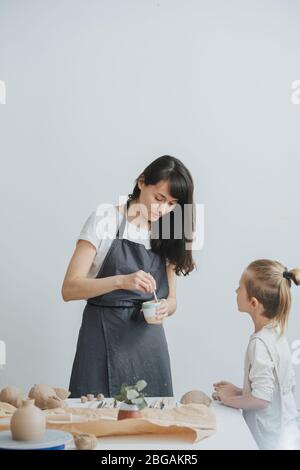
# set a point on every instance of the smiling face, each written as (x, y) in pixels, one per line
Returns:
(155, 199)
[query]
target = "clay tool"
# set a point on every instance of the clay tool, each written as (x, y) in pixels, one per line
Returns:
(154, 293)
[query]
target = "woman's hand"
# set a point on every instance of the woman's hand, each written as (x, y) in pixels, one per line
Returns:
(162, 311)
(140, 280)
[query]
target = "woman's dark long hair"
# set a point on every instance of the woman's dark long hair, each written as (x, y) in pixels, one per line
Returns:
(172, 244)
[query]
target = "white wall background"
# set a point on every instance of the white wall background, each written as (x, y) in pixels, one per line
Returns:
(98, 89)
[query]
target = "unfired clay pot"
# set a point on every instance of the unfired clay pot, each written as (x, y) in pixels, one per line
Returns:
(28, 423)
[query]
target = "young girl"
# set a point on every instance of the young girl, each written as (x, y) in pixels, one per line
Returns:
(267, 397)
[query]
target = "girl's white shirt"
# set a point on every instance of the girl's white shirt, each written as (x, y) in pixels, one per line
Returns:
(269, 375)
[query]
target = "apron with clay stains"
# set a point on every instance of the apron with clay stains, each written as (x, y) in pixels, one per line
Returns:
(115, 344)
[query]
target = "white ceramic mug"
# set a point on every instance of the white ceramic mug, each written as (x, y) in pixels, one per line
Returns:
(149, 310)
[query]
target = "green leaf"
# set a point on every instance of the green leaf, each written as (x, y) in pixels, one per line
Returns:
(137, 401)
(123, 388)
(140, 385)
(144, 404)
(132, 394)
(140, 402)
(119, 397)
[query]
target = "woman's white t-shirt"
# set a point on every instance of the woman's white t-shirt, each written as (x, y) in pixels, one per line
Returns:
(101, 228)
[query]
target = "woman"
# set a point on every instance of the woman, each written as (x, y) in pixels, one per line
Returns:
(116, 274)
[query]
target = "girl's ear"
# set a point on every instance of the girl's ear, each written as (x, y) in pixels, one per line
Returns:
(254, 302)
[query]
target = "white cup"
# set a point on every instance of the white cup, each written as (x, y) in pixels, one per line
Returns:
(149, 310)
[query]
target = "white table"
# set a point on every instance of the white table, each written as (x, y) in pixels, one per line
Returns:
(232, 434)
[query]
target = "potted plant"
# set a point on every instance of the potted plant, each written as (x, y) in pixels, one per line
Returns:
(132, 399)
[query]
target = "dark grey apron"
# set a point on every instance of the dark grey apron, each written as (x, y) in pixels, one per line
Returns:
(115, 344)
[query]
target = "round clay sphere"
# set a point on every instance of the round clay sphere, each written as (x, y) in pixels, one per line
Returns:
(11, 395)
(195, 396)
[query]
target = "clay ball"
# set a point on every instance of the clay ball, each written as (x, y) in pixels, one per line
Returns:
(54, 402)
(83, 399)
(85, 441)
(62, 393)
(90, 397)
(195, 396)
(100, 396)
(11, 395)
(6, 409)
(41, 393)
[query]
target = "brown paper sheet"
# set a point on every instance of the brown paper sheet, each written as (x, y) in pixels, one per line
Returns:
(190, 422)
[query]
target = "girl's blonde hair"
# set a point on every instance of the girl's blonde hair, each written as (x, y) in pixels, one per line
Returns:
(270, 282)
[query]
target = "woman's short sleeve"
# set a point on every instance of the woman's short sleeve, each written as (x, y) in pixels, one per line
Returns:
(88, 231)
(100, 225)
(262, 370)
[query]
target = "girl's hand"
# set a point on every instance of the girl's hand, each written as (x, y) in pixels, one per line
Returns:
(140, 280)
(215, 396)
(227, 387)
(162, 311)
(222, 394)
(221, 383)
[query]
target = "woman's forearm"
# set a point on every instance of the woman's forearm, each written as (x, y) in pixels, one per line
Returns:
(85, 288)
(245, 402)
(172, 305)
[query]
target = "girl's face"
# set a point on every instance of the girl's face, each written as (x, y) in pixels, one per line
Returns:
(155, 200)
(243, 302)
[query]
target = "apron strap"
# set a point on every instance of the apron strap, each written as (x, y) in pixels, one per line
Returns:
(123, 222)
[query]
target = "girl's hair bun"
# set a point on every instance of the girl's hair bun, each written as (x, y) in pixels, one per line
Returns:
(293, 275)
